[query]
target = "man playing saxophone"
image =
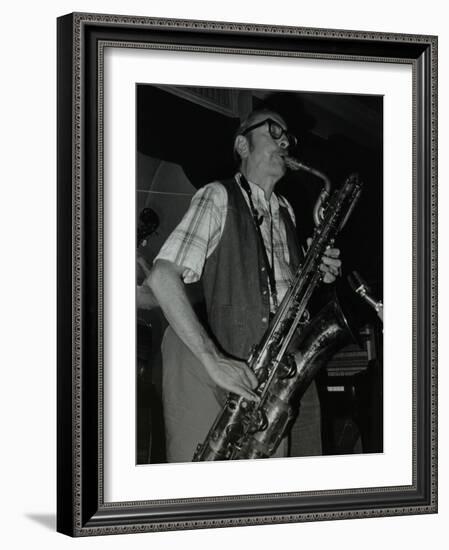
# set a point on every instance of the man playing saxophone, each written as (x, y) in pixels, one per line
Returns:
(238, 237)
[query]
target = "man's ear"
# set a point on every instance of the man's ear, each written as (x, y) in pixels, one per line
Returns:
(241, 146)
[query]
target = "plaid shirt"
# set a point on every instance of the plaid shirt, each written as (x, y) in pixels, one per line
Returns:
(200, 230)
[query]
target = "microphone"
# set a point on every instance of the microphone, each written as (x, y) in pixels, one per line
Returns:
(360, 287)
(357, 283)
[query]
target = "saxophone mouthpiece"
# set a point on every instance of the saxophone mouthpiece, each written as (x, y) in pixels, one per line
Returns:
(294, 164)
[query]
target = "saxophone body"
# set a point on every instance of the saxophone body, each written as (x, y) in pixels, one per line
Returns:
(246, 429)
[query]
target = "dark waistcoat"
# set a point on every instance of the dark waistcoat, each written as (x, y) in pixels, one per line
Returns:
(235, 282)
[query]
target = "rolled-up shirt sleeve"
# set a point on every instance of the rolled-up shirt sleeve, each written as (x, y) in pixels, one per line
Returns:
(198, 233)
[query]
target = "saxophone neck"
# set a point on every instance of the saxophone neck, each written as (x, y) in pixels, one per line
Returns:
(295, 165)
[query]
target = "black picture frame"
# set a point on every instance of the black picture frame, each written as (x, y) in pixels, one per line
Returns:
(81, 509)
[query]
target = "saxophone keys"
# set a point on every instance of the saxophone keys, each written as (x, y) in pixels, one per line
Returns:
(261, 423)
(289, 367)
(305, 317)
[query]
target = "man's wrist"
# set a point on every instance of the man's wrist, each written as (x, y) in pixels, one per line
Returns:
(209, 356)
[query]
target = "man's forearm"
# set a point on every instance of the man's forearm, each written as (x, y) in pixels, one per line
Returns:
(228, 373)
(168, 288)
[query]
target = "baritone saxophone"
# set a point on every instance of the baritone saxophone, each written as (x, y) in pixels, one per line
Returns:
(246, 429)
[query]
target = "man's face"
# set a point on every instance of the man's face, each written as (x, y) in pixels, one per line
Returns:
(266, 152)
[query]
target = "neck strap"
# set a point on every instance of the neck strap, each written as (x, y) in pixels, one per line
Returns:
(257, 223)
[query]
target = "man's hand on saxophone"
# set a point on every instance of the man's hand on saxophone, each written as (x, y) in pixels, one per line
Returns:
(231, 375)
(330, 264)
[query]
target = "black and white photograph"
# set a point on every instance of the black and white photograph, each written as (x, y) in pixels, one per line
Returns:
(246, 274)
(259, 274)
(223, 299)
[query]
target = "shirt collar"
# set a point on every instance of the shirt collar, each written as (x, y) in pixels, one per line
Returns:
(259, 195)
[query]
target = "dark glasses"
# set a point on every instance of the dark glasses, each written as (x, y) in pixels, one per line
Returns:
(275, 129)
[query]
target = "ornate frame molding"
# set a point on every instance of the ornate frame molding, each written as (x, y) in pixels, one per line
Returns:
(81, 41)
